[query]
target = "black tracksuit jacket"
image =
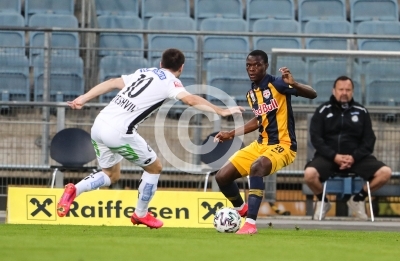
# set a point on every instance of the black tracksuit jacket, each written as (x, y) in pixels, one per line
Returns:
(334, 130)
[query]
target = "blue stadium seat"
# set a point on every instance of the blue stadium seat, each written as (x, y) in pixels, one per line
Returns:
(379, 28)
(276, 26)
(327, 27)
(65, 7)
(66, 78)
(382, 82)
(221, 8)
(120, 43)
(114, 67)
(172, 8)
(12, 41)
(377, 10)
(230, 76)
(7, 6)
(321, 10)
(299, 70)
(14, 77)
(236, 47)
(159, 42)
(62, 43)
(269, 9)
(324, 73)
(117, 7)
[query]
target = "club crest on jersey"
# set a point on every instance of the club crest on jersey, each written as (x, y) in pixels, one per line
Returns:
(266, 94)
(178, 84)
(264, 108)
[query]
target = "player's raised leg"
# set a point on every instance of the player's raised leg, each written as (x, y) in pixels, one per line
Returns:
(91, 182)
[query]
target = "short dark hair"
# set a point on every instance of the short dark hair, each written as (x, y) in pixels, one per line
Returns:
(172, 59)
(343, 78)
(261, 53)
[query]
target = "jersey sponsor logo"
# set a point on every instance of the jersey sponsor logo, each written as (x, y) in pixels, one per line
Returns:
(124, 103)
(178, 84)
(264, 108)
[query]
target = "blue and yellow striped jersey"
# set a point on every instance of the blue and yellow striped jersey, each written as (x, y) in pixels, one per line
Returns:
(271, 104)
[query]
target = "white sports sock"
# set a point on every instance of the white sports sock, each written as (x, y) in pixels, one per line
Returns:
(251, 221)
(92, 182)
(147, 188)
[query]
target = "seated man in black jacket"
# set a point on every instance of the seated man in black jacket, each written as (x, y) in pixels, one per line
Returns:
(342, 135)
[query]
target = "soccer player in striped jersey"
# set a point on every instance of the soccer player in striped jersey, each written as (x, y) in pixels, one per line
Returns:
(270, 99)
(114, 134)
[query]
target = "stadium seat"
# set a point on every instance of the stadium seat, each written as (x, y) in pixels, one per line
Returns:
(114, 67)
(269, 9)
(172, 8)
(221, 8)
(120, 43)
(159, 42)
(71, 149)
(379, 28)
(321, 10)
(12, 41)
(327, 27)
(214, 46)
(62, 43)
(377, 10)
(14, 77)
(276, 26)
(66, 78)
(7, 6)
(117, 7)
(230, 76)
(324, 73)
(382, 82)
(64, 7)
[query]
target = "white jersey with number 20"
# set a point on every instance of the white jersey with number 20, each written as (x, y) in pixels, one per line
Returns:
(144, 92)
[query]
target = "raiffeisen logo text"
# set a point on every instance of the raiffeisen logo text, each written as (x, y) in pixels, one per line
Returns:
(116, 209)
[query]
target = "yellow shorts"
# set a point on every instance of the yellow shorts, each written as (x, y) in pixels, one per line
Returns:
(280, 155)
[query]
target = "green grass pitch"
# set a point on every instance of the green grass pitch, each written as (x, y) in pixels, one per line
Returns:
(98, 243)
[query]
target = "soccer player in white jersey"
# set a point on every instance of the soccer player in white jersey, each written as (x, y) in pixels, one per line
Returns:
(114, 130)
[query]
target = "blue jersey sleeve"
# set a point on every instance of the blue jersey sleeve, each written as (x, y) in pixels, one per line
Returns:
(283, 87)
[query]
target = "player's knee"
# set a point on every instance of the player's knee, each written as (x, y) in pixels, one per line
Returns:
(385, 173)
(113, 175)
(154, 168)
(224, 177)
(310, 175)
(261, 167)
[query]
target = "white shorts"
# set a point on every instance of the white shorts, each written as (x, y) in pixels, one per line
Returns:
(112, 146)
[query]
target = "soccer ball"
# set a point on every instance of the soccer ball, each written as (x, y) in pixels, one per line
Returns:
(227, 220)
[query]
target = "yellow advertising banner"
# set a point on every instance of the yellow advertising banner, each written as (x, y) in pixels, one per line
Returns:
(113, 207)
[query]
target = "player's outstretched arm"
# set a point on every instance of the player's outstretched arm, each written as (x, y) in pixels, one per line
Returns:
(250, 126)
(303, 90)
(204, 105)
(101, 88)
